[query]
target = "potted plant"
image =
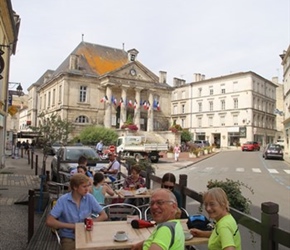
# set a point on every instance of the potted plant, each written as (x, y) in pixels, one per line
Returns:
(193, 151)
(175, 128)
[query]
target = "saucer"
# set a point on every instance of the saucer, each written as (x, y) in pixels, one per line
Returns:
(188, 236)
(120, 240)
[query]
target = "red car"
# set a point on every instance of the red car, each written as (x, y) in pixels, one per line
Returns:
(251, 146)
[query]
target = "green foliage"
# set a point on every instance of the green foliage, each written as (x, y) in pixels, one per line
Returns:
(93, 134)
(233, 190)
(175, 128)
(186, 136)
(52, 128)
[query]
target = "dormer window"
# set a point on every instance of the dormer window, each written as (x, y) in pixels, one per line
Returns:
(132, 54)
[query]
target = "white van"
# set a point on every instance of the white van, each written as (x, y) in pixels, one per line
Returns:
(280, 142)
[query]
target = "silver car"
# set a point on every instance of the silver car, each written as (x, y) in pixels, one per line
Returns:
(68, 157)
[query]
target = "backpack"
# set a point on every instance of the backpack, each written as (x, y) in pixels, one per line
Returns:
(199, 221)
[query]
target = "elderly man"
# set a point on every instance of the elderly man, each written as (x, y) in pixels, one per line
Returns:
(169, 232)
(72, 208)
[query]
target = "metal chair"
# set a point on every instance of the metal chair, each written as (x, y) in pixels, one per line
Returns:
(120, 211)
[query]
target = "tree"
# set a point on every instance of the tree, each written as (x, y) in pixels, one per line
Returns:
(51, 128)
(186, 136)
(93, 134)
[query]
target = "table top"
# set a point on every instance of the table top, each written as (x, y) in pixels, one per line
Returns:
(102, 235)
(130, 194)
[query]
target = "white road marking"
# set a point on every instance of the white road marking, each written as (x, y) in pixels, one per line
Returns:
(273, 171)
(256, 170)
(240, 170)
(287, 171)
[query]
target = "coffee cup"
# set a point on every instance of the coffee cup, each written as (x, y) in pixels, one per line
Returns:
(120, 235)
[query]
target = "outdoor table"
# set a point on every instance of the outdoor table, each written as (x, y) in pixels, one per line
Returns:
(129, 194)
(102, 235)
(194, 241)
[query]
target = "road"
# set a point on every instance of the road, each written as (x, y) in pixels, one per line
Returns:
(270, 180)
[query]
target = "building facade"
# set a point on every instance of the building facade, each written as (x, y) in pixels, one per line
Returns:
(227, 110)
(286, 94)
(9, 26)
(99, 85)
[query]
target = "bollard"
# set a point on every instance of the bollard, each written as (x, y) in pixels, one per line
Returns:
(36, 164)
(31, 195)
(32, 154)
(28, 156)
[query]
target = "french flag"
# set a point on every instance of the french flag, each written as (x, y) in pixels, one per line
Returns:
(105, 98)
(121, 101)
(135, 104)
(148, 105)
(144, 104)
(158, 106)
(130, 103)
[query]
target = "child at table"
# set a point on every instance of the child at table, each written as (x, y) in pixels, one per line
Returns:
(100, 188)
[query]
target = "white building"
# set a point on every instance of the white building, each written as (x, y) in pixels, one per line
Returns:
(227, 110)
(286, 80)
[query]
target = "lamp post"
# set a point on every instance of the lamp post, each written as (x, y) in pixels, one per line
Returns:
(18, 92)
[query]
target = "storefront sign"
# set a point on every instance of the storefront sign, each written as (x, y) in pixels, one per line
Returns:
(243, 132)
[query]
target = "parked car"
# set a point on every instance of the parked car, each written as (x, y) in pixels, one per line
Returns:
(201, 143)
(251, 146)
(273, 151)
(71, 153)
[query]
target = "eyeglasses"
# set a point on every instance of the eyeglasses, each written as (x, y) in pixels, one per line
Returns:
(158, 202)
(168, 187)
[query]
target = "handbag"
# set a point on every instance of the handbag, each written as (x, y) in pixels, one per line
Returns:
(199, 221)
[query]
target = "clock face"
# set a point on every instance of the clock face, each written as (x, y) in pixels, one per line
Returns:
(133, 72)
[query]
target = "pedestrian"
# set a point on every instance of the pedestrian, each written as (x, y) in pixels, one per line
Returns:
(72, 208)
(225, 234)
(113, 168)
(169, 232)
(176, 151)
(99, 147)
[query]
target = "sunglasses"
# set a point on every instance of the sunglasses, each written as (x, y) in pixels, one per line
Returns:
(168, 187)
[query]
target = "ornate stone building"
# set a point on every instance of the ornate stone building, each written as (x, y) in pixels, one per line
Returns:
(9, 26)
(99, 85)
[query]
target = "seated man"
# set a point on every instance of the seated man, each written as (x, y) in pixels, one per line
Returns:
(74, 207)
(169, 232)
(114, 167)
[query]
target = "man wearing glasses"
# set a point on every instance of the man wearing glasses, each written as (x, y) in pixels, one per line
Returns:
(169, 232)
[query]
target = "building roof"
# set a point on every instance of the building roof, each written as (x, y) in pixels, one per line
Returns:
(95, 59)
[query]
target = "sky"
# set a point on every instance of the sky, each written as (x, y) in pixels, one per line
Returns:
(181, 37)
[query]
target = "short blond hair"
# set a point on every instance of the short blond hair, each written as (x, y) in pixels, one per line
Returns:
(78, 179)
(219, 195)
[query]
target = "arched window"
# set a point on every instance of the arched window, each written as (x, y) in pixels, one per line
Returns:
(82, 119)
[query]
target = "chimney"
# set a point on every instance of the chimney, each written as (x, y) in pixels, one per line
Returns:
(275, 79)
(162, 76)
(74, 62)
